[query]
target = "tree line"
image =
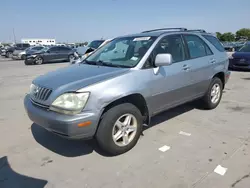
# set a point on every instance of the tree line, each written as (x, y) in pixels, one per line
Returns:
(243, 33)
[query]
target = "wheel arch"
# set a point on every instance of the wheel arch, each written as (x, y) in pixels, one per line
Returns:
(136, 99)
(221, 76)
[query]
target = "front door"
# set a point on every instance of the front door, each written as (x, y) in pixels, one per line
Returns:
(170, 85)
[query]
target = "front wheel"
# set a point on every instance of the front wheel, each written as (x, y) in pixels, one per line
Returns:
(9, 55)
(23, 57)
(119, 129)
(213, 96)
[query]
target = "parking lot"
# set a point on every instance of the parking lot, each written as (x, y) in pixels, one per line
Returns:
(198, 141)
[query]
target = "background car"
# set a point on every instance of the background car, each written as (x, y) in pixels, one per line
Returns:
(19, 46)
(81, 52)
(21, 54)
(241, 58)
(49, 54)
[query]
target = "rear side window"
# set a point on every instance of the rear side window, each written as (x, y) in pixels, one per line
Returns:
(26, 45)
(215, 42)
(197, 47)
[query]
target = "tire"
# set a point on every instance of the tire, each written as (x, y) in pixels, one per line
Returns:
(26, 63)
(107, 129)
(9, 55)
(208, 102)
(71, 58)
(23, 57)
(39, 60)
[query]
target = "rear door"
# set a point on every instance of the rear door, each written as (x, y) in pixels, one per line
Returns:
(52, 54)
(201, 61)
(64, 52)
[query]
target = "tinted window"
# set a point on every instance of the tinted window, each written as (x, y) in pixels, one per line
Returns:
(95, 44)
(64, 49)
(37, 48)
(215, 42)
(245, 48)
(18, 45)
(54, 49)
(196, 46)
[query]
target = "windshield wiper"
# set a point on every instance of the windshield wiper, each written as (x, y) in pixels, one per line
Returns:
(102, 63)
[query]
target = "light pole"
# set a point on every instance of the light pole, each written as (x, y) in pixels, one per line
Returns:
(14, 35)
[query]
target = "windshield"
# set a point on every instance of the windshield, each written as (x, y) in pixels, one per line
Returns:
(245, 48)
(123, 52)
(95, 44)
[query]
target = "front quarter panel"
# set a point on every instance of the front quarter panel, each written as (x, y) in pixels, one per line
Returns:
(104, 93)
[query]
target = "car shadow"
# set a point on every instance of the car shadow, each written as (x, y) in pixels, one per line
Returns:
(172, 113)
(63, 146)
(10, 178)
(75, 148)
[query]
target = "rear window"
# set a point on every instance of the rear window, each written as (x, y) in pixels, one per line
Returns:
(215, 42)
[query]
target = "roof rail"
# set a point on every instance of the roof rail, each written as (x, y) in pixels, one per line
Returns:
(166, 29)
(197, 30)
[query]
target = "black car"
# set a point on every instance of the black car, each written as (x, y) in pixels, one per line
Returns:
(20, 46)
(49, 54)
(241, 58)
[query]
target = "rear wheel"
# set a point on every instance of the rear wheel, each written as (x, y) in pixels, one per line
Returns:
(71, 58)
(213, 96)
(119, 129)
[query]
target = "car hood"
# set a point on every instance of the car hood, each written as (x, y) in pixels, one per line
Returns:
(241, 55)
(77, 76)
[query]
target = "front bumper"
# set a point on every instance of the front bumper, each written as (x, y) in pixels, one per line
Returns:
(60, 124)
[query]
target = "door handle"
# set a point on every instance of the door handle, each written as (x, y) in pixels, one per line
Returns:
(186, 67)
(212, 61)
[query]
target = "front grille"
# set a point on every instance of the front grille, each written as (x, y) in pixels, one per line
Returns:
(41, 93)
(46, 107)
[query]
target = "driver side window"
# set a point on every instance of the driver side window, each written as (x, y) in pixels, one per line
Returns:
(172, 44)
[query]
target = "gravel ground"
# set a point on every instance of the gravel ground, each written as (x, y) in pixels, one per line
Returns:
(32, 157)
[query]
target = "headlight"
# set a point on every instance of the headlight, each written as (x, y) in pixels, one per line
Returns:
(33, 55)
(70, 103)
(32, 88)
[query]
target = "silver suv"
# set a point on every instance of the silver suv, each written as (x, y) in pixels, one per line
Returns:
(122, 85)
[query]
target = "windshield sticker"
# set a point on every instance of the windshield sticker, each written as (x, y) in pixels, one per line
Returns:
(134, 58)
(141, 38)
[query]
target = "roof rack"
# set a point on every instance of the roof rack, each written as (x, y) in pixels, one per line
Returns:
(166, 29)
(197, 30)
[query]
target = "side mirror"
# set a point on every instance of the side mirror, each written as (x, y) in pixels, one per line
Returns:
(163, 60)
(48, 51)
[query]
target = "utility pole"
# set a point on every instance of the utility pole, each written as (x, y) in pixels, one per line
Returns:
(14, 35)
